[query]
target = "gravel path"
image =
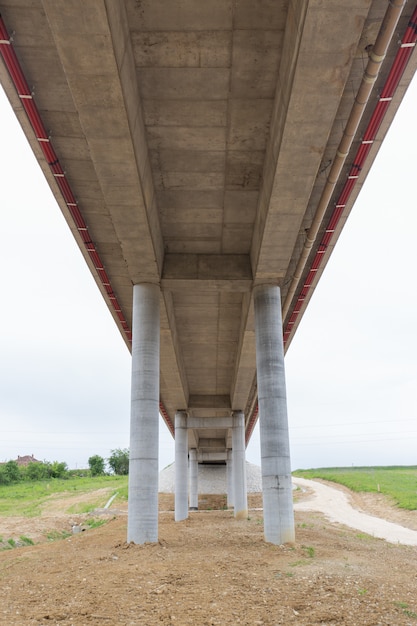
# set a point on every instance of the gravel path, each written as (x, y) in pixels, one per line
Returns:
(334, 504)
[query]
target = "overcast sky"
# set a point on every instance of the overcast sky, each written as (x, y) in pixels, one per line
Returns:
(351, 369)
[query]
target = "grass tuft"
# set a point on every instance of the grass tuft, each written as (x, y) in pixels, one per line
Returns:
(56, 535)
(27, 541)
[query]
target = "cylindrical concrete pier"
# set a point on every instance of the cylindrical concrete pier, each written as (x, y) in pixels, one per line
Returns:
(181, 466)
(193, 468)
(239, 466)
(142, 524)
(273, 420)
(229, 470)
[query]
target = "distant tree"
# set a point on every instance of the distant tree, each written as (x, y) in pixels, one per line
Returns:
(9, 473)
(57, 469)
(36, 471)
(4, 476)
(12, 471)
(119, 461)
(96, 464)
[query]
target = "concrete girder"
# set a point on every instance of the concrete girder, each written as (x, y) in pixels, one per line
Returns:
(115, 134)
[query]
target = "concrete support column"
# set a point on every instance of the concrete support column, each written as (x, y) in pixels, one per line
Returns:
(193, 480)
(273, 421)
(142, 524)
(230, 479)
(181, 466)
(239, 467)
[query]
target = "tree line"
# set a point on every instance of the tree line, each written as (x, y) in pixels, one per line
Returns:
(117, 463)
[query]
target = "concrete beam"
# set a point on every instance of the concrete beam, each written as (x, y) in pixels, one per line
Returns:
(230, 272)
(119, 156)
(212, 444)
(304, 66)
(174, 384)
(245, 369)
(210, 422)
(204, 285)
(211, 456)
(209, 402)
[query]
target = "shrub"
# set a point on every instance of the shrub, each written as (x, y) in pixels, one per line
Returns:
(96, 464)
(36, 471)
(57, 469)
(119, 461)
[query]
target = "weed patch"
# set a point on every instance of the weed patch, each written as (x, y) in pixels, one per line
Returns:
(55, 535)
(95, 523)
(27, 541)
(310, 551)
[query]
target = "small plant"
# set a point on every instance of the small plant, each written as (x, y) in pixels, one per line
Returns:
(364, 536)
(27, 541)
(54, 535)
(310, 551)
(362, 592)
(297, 563)
(95, 523)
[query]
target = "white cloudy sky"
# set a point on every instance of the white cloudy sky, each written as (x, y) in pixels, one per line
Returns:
(351, 369)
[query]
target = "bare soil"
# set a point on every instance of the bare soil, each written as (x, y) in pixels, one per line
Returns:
(207, 570)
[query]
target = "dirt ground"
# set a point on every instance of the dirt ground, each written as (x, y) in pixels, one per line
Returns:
(208, 570)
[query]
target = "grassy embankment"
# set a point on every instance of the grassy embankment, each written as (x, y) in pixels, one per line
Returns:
(27, 498)
(399, 483)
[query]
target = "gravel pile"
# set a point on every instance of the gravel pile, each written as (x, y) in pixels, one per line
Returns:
(211, 479)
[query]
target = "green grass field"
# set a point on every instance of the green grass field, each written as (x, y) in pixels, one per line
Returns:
(27, 498)
(399, 483)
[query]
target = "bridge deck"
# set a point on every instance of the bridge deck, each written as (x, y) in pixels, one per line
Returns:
(190, 145)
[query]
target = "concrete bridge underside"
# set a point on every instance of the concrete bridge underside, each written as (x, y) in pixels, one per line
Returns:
(206, 155)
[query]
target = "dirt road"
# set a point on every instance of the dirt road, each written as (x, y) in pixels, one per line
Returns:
(336, 505)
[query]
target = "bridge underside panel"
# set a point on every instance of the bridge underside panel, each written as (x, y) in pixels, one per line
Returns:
(189, 145)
